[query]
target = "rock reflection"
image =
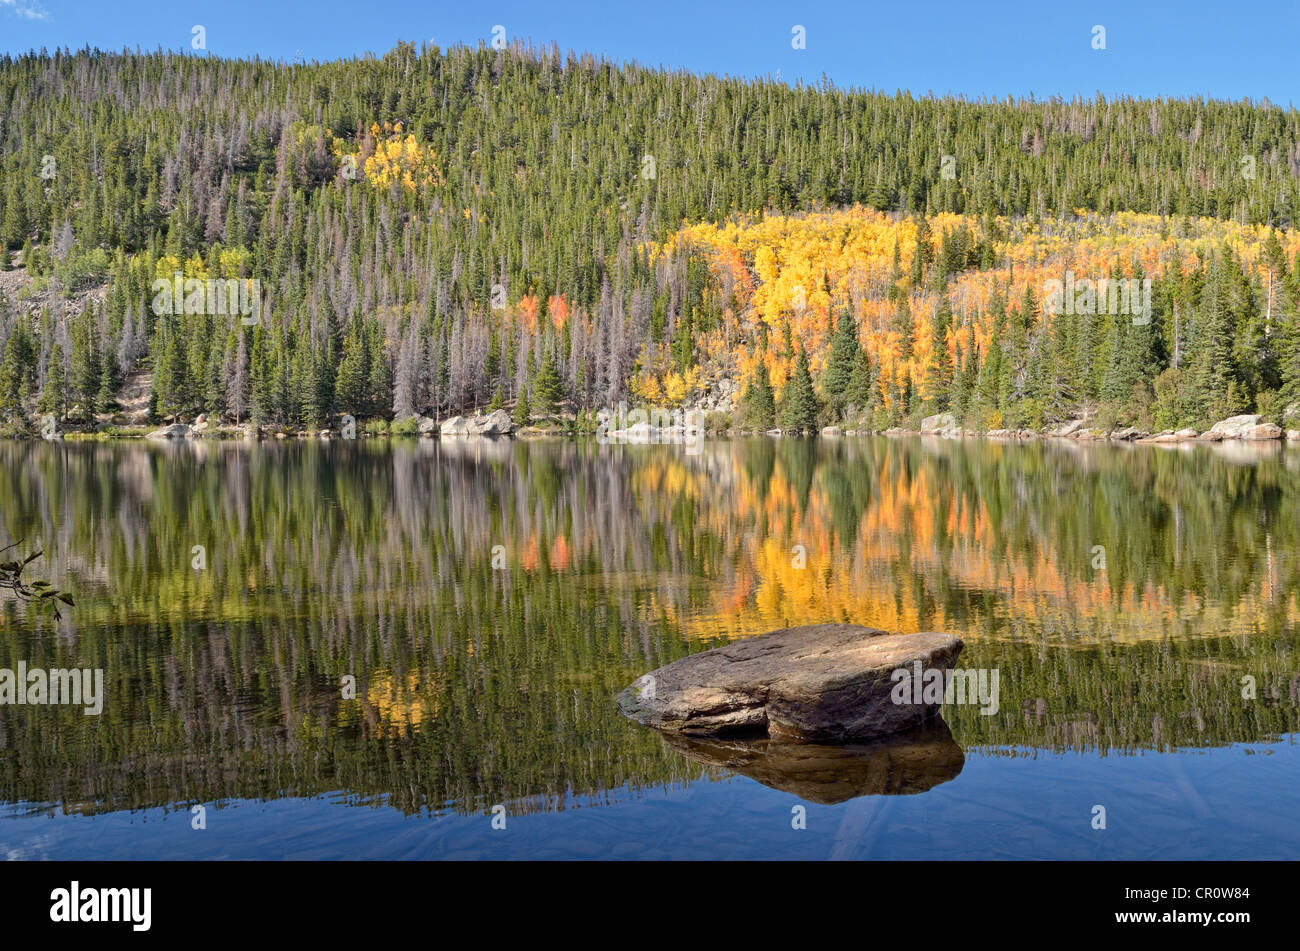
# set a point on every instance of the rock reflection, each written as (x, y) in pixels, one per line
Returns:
(899, 765)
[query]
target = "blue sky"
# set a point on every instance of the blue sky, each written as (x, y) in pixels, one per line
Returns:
(1045, 48)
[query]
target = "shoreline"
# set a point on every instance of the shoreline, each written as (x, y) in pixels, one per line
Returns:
(231, 434)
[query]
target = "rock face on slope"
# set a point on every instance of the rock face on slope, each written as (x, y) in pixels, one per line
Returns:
(821, 682)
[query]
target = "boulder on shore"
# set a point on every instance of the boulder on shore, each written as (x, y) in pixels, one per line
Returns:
(426, 427)
(1068, 428)
(941, 424)
(1246, 426)
(819, 682)
(174, 431)
(456, 426)
(496, 423)
(1265, 431)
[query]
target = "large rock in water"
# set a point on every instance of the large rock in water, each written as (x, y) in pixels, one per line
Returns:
(827, 682)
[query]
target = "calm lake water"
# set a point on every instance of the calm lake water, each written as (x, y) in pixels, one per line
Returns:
(491, 598)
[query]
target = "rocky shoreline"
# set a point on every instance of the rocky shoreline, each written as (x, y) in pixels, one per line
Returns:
(494, 424)
(1246, 427)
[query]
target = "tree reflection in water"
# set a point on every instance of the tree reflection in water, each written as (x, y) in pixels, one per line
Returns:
(478, 685)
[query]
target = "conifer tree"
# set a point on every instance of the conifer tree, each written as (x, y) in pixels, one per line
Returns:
(860, 394)
(105, 396)
(759, 400)
(521, 416)
(54, 394)
(845, 348)
(547, 388)
(798, 401)
(13, 377)
(350, 383)
(939, 368)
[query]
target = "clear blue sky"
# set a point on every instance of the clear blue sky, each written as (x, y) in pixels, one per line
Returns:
(1223, 50)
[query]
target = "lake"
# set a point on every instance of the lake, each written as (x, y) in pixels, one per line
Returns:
(359, 649)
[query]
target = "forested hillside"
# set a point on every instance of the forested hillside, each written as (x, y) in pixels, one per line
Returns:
(434, 230)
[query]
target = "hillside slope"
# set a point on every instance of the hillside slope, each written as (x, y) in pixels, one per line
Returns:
(434, 230)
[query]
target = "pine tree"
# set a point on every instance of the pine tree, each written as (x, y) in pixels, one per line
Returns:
(683, 346)
(14, 226)
(859, 394)
(967, 373)
(237, 392)
(521, 416)
(84, 378)
(1213, 379)
(905, 329)
(845, 348)
(759, 401)
(939, 368)
(923, 253)
(106, 396)
(350, 383)
(13, 377)
(378, 398)
(547, 388)
(54, 394)
(798, 401)
(306, 389)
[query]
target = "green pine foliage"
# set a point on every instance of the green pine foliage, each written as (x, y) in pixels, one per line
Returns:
(548, 389)
(845, 349)
(522, 414)
(759, 401)
(54, 393)
(798, 401)
(380, 299)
